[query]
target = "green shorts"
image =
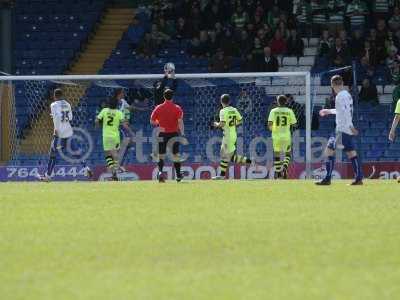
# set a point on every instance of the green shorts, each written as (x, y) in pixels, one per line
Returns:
(228, 146)
(282, 144)
(111, 143)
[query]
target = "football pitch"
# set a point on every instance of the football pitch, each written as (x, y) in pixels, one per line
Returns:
(200, 240)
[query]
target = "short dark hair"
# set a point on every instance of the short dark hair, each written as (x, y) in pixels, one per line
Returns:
(289, 96)
(58, 93)
(337, 80)
(117, 91)
(113, 103)
(281, 100)
(168, 94)
(225, 99)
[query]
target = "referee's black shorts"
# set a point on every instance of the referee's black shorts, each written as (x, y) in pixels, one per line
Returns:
(163, 142)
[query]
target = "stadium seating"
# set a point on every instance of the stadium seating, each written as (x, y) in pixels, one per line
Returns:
(49, 33)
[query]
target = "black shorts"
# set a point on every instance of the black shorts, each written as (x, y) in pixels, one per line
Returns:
(163, 142)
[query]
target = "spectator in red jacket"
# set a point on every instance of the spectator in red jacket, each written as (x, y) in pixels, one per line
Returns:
(278, 44)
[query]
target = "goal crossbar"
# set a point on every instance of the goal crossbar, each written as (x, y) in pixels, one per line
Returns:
(151, 76)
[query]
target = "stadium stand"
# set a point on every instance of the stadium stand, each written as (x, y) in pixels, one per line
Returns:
(48, 37)
(197, 35)
(89, 60)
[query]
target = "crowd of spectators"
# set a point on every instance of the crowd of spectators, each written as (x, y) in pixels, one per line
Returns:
(365, 31)
(258, 32)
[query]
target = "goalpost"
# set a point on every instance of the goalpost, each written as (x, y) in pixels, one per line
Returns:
(25, 104)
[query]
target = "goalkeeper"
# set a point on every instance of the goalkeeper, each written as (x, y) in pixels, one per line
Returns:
(229, 119)
(280, 121)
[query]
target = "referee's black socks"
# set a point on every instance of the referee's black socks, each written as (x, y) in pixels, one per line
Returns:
(160, 165)
(177, 166)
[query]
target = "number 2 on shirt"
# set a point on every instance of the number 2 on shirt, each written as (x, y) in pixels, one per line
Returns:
(110, 120)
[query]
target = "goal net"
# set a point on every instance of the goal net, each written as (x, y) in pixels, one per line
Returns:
(27, 126)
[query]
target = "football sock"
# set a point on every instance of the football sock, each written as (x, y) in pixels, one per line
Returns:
(286, 161)
(124, 156)
(115, 166)
(240, 159)
(51, 164)
(160, 165)
(277, 167)
(355, 162)
(177, 166)
(284, 174)
(330, 163)
(223, 165)
(110, 162)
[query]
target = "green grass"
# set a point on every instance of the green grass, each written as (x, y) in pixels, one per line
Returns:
(199, 240)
